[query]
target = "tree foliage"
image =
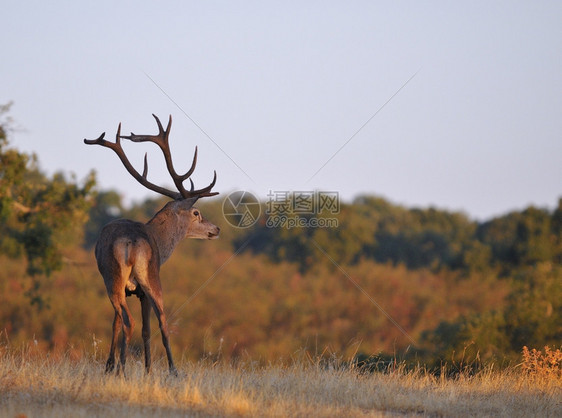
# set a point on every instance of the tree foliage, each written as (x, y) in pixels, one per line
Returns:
(38, 213)
(522, 250)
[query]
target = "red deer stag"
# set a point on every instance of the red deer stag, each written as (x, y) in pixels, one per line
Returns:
(129, 254)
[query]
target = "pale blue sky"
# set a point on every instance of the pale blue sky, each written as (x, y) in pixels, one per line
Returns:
(281, 86)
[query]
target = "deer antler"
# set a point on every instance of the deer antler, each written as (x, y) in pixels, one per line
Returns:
(162, 141)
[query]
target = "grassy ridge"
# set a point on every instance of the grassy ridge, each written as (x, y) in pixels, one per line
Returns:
(33, 384)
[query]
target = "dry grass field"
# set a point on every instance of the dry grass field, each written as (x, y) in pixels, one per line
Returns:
(35, 384)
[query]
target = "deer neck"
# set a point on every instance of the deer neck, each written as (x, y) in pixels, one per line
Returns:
(167, 229)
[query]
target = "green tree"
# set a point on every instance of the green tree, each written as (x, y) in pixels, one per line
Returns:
(38, 214)
(523, 238)
(533, 316)
(556, 226)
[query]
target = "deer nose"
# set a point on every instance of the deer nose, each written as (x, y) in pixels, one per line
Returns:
(215, 233)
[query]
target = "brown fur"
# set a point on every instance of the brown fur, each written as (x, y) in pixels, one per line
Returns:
(129, 255)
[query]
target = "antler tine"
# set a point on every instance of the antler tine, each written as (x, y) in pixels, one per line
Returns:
(118, 136)
(204, 192)
(192, 192)
(98, 140)
(161, 132)
(191, 169)
(145, 170)
(161, 139)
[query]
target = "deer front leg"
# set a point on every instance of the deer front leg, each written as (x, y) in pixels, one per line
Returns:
(145, 306)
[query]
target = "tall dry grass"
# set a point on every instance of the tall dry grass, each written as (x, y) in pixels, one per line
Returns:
(35, 384)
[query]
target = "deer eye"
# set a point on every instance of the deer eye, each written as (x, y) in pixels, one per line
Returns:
(196, 213)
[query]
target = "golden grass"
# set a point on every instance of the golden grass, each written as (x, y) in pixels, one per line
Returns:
(33, 384)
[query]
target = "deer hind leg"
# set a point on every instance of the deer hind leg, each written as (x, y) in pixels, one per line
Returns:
(123, 321)
(128, 325)
(145, 305)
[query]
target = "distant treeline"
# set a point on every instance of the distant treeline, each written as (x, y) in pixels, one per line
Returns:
(373, 228)
(480, 289)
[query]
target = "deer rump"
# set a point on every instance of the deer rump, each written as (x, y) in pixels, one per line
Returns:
(132, 252)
